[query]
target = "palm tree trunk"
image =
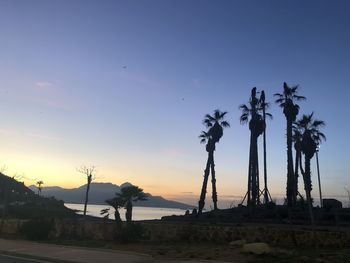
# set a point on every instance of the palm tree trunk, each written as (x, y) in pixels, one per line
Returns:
(213, 181)
(128, 213)
(205, 182)
(257, 174)
(250, 169)
(290, 172)
(254, 173)
(266, 196)
(117, 218)
(296, 176)
(308, 186)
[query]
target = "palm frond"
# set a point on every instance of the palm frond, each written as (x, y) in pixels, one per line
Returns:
(208, 123)
(318, 123)
(217, 114)
(299, 98)
(222, 115)
(279, 95)
(209, 117)
(244, 108)
(225, 124)
(294, 89)
(269, 115)
(244, 118)
(322, 136)
(280, 101)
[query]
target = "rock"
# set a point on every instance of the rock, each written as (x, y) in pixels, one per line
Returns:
(237, 243)
(257, 248)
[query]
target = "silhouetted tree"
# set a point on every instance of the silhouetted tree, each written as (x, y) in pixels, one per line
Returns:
(115, 202)
(264, 106)
(251, 114)
(90, 173)
(215, 125)
(311, 137)
(39, 184)
(127, 196)
(287, 101)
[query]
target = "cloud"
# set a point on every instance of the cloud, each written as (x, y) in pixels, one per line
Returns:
(43, 85)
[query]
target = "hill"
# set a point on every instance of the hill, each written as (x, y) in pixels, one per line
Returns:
(100, 192)
(18, 201)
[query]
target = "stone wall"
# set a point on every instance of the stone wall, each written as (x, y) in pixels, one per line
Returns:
(275, 235)
(278, 235)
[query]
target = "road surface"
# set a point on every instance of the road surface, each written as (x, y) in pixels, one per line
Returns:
(12, 259)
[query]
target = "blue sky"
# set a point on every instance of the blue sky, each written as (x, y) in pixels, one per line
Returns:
(124, 85)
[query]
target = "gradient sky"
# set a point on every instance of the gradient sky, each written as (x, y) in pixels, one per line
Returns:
(124, 85)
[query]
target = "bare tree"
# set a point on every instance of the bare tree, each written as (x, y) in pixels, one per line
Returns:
(90, 173)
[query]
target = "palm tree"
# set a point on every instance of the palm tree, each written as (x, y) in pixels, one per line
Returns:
(128, 195)
(215, 124)
(39, 184)
(311, 138)
(287, 100)
(115, 202)
(251, 114)
(210, 148)
(264, 106)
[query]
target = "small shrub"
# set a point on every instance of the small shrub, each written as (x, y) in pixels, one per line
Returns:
(37, 229)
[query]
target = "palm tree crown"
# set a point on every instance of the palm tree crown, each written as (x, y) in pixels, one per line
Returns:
(205, 137)
(252, 113)
(287, 101)
(132, 193)
(216, 123)
(311, 136)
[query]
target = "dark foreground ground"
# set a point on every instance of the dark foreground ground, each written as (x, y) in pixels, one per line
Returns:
(220, 252)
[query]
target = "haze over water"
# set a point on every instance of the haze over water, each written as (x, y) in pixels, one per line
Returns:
(139, 213)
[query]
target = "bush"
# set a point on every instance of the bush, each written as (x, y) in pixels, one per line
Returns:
(37, 229)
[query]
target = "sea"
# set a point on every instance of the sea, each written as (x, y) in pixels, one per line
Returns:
(138, 212)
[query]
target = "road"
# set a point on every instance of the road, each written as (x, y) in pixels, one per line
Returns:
(12, 259)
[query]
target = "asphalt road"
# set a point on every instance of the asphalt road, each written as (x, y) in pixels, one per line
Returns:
(11, 259)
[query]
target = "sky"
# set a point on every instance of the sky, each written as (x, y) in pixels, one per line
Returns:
(124, 86)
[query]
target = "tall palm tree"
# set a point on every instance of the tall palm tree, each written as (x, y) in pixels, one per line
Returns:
(215, 124)
(264, 106)
(311, 137)
(251, 114)
(287, 101)
(129, 195)
(297, 138)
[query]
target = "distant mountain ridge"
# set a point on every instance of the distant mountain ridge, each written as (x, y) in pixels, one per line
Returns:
(100, 192)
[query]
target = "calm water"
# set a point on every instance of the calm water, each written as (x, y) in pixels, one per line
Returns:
(139, 213)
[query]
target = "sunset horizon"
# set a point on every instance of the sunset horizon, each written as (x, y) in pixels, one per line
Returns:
(125, 88)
